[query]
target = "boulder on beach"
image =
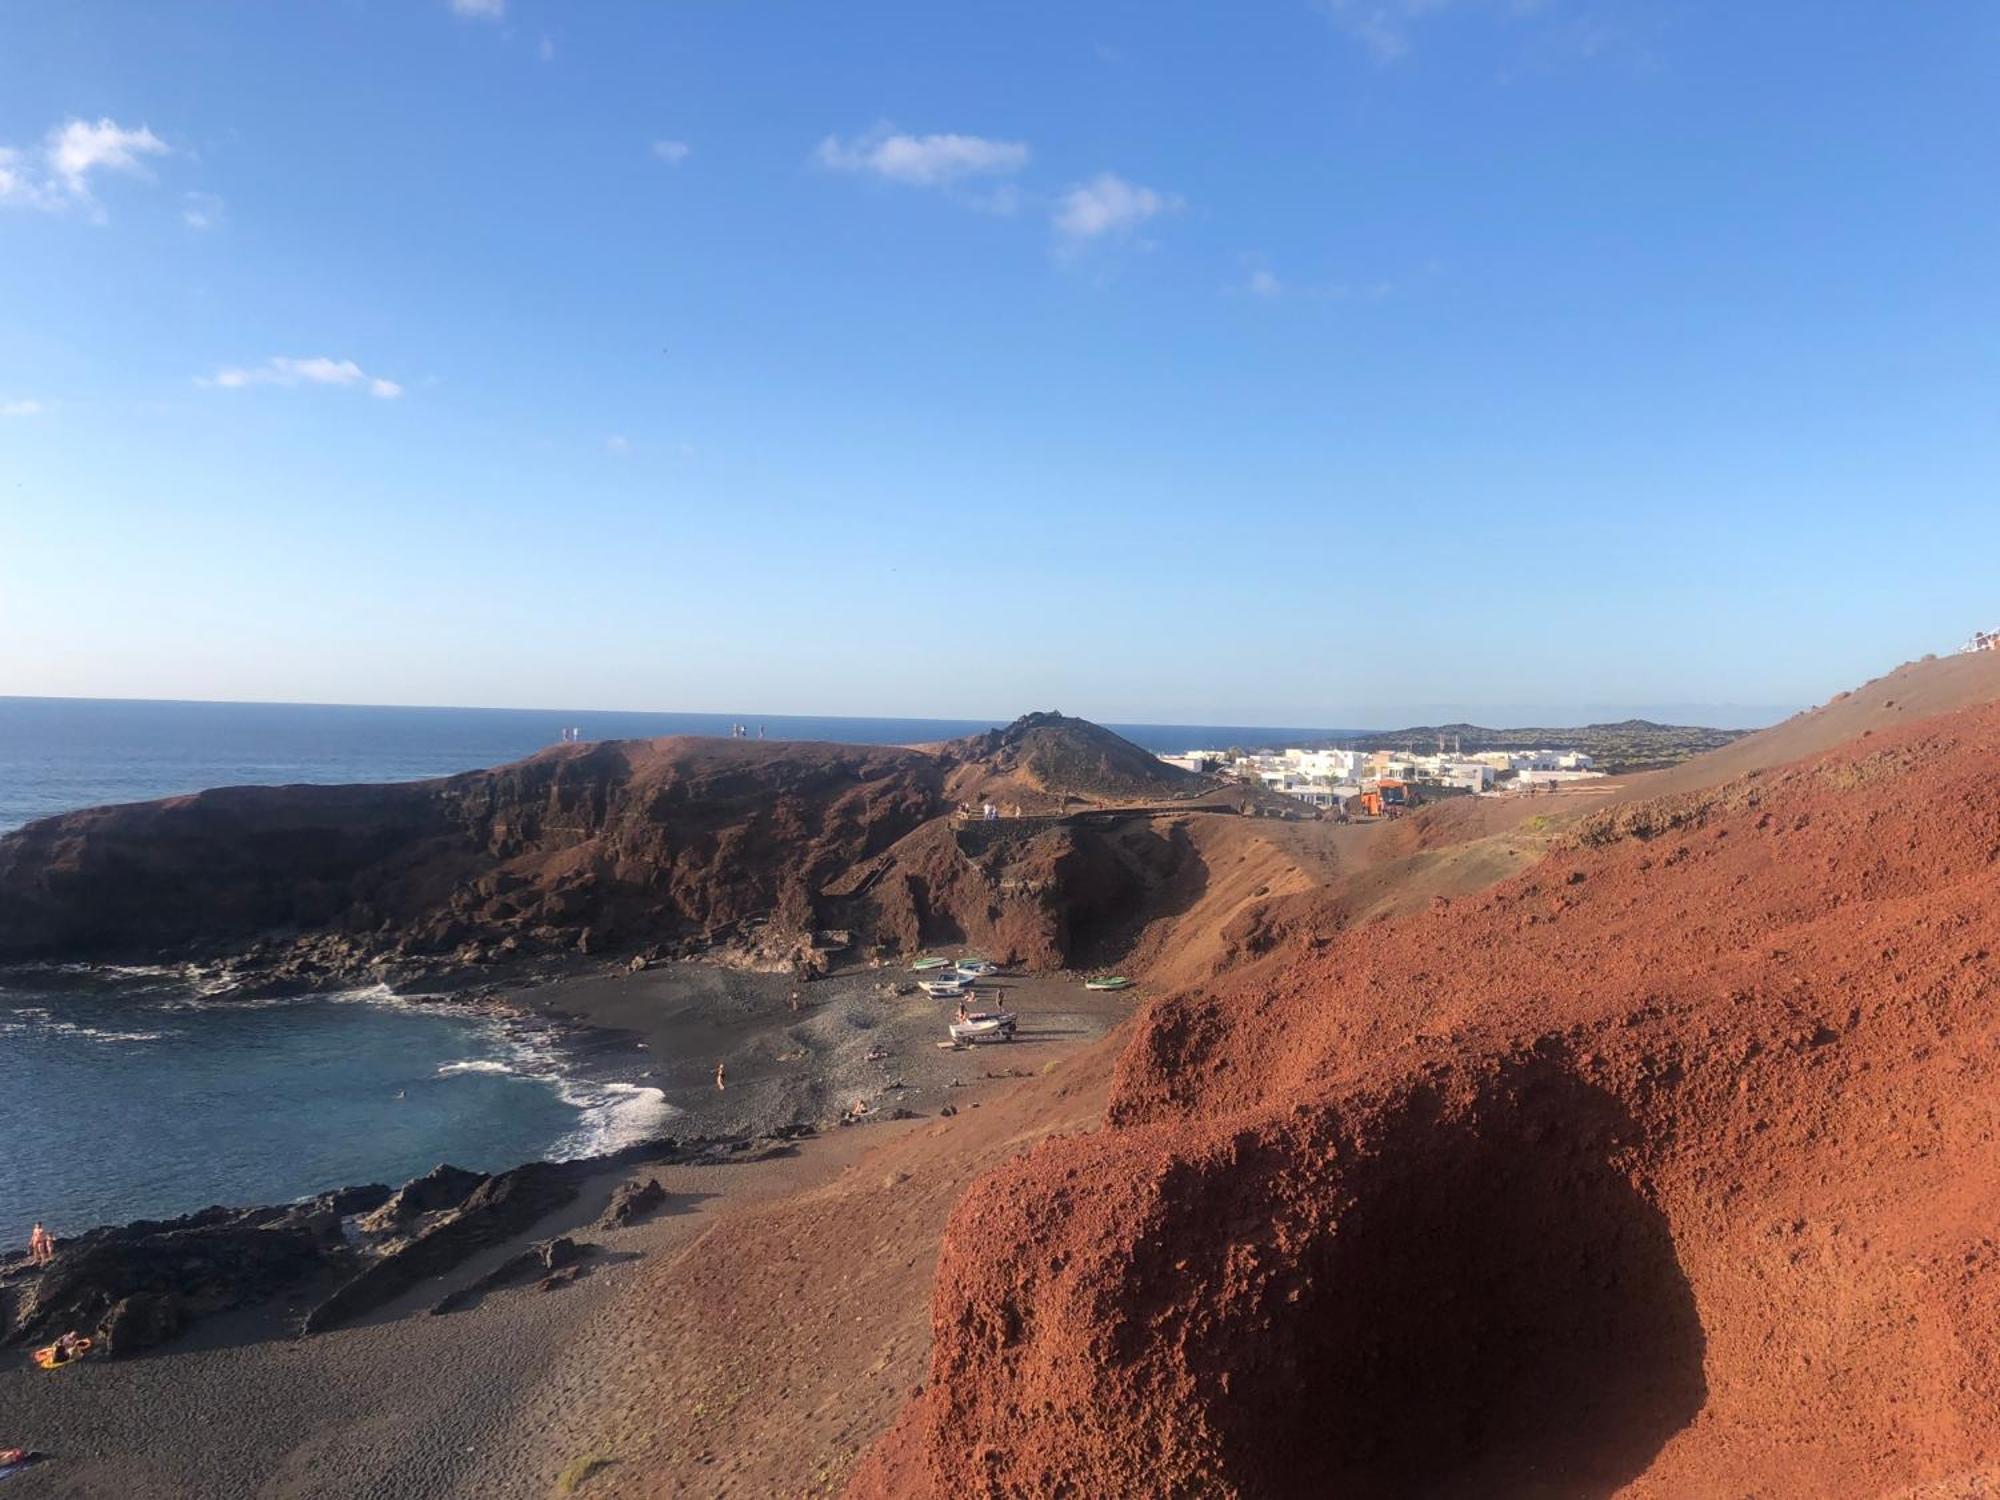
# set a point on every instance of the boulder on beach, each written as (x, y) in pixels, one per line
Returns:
(633, 1201)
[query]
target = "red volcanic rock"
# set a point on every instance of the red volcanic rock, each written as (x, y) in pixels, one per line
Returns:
(1670, 1167)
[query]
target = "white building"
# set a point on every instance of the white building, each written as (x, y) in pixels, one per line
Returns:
(1332, 765)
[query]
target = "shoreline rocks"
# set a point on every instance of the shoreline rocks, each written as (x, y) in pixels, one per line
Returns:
(140, 1285)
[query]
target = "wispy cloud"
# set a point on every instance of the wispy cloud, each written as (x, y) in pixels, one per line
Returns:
(1266, 285)
(22, 408)
(201, 210)
(283, 370)
(1108, 205)
(1381, 26)
(60, 172)
(480, 10)
(673, 153)
(1388, 29)
(618, 444)
(922, 160)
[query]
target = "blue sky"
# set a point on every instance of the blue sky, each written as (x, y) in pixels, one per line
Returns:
(1314, 361)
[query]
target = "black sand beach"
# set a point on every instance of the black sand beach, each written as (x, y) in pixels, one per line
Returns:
(405, 1403)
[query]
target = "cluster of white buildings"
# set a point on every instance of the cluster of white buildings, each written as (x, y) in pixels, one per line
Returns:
(1328, 778)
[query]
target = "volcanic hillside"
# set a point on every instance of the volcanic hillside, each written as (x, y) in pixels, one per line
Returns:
(580, 845)
(1669, 1167)
(749, 847)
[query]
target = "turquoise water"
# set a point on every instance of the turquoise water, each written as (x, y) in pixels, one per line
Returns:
(135, 1098)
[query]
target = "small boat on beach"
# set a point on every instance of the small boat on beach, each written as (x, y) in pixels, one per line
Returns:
(1108, 982)
(984, 1026)
(926, 964)
(976, 968)
(945, 989)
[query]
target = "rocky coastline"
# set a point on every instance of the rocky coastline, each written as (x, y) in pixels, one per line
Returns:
(137, 1286)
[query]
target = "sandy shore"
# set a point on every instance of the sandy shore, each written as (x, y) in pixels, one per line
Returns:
(409, 1404)
(851, 1037)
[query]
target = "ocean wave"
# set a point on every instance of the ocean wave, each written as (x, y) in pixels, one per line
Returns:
(614, 1116)
(474, 1065)
(34, 1021)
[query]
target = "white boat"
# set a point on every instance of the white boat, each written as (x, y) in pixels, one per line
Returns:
(984, 1026)
(976, 968)
(944, 989)
(924, 965)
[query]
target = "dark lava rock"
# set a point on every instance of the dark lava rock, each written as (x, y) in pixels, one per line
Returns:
(443, 1186)
(143, 1321)
(354, 1200)
(204, 1263)
(500, 1207)
(633, 1201)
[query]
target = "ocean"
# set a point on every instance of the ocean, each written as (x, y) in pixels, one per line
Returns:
(131, 1094)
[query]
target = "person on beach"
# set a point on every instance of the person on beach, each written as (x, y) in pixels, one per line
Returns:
(718, 1077)
(41, 1245)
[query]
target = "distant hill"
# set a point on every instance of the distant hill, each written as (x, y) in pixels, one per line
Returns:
(1043, 759)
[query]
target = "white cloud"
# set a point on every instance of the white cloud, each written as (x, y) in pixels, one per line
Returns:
(618, 443)
(77, 148)
(201, 210)
(673, 153)
(1108, 204)
(546, 49)
(58, 174)
(21, 408)
(1264, 283)
(480, 10)
(282, 370)
(922, 160)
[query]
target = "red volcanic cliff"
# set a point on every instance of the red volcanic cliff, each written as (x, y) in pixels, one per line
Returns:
(1670, 1167)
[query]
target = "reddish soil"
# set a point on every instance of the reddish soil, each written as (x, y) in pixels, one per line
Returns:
(1665, 1168)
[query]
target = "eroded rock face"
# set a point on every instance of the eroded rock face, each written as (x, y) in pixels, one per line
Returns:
(1662, 1169)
